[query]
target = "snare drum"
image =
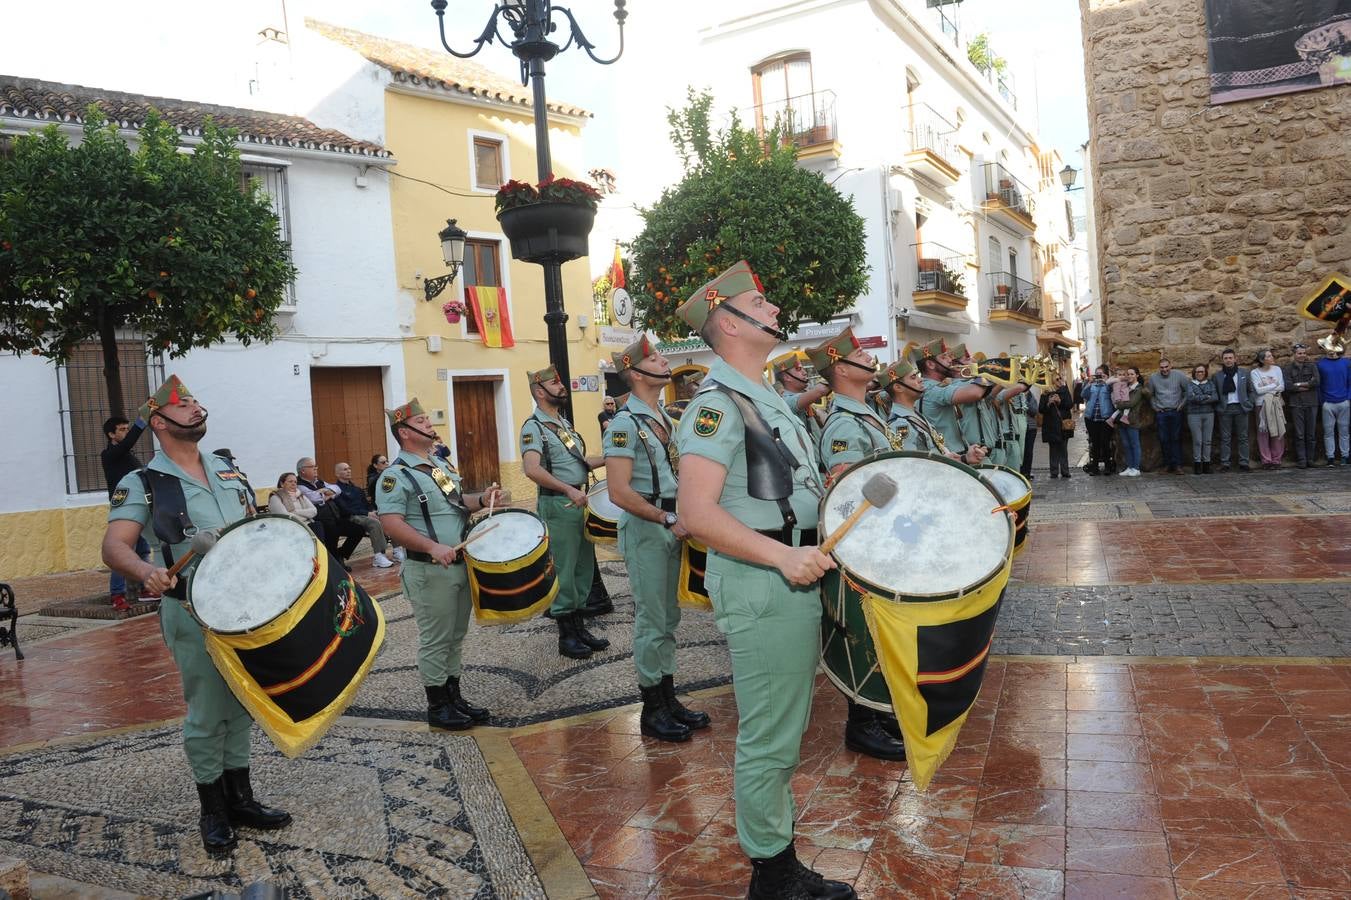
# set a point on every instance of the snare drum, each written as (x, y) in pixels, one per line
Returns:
(602, 516)
(511, 571)
(691, 591)
(910, 611)
(1016, 492)
(291, 632)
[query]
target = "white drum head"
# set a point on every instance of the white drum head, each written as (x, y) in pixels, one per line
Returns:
(937, 536)
(599, 502)
(1011, 487)
(515, 532)
(255, 571)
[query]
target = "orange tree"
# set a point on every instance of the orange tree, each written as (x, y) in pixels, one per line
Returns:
(744, 197)
(99, 237)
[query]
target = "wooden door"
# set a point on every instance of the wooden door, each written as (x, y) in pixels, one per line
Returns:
(348, 407)
(476, 430)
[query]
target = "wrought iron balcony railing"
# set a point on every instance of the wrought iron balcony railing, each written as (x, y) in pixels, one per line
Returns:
(930, 131)
(939, 268)
(1010, 293)
(804, 121)
(1002, 185)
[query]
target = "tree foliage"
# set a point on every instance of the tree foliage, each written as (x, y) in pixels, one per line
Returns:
(744, 196)
(98, 237)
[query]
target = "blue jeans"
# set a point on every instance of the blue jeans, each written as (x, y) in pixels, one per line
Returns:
(1130, 445)
(116, 583)
(1170, 436)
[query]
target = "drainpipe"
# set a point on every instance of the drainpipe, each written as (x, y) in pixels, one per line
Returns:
(889, 256)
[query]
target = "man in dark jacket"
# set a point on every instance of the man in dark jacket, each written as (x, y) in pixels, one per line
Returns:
(1301, 392)
(331, 516)
(1237, 398)
(1097, 409)
(118, 462)
(352, 502)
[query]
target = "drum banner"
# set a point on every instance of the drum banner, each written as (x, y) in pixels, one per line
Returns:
(933, 659)
(691, 592)
(297, 674)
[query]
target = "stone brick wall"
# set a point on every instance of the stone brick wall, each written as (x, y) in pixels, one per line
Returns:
(1213, 221)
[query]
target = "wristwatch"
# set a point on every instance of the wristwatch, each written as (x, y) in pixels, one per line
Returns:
(668, 519)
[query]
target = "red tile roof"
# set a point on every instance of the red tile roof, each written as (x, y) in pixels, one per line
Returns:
(52, 102)
(435, 68)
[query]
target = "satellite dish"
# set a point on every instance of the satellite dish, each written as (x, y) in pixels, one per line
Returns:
(621, 307)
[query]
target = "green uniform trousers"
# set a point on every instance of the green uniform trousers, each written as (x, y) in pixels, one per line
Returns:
(441, 603)
(652, 556)
(216, 728)
(774, 634)
(574, 556)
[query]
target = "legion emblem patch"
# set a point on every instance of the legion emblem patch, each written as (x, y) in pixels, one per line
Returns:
(706, 425)
(839, 446)
(387, 483)
(527, 440)
(620, 439)
(119, 497)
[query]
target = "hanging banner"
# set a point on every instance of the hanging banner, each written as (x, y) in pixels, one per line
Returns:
(1264, 47)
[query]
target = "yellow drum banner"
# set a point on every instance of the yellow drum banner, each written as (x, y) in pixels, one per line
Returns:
(691, 591)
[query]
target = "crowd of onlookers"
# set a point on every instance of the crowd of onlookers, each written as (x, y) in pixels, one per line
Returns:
(1217, 408)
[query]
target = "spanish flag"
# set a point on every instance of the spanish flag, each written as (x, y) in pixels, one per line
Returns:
(490, 313)
(617, 270)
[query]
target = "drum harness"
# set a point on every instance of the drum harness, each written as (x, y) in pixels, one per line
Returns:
(447, 488)
(569, 441)
(893, 440)
(169, 511)
(664, 504)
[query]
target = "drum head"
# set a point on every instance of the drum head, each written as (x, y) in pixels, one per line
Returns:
(515, 532)
(1010, 485)
(937, 537)
(255, 572)
(599, 502)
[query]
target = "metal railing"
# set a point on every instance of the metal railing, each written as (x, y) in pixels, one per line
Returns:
(1001, 184)
(930, 131)
(939, 268)
(947, 24)
(1011, 293)
(803, 121)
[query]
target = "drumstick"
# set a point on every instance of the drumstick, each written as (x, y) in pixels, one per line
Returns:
(473, 537)
(202, 542)
(878, 491)
(491, 497)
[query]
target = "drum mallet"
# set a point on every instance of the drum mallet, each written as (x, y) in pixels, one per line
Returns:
(202, 542)
(878, 491)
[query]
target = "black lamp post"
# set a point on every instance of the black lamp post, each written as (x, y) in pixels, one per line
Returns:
(452, 251)
(531, 22)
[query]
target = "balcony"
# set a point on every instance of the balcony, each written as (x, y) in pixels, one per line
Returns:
(933, 153)
(1055, 318)
(940, 283)
(1014, 300)
(806, 121)
(1009, 199)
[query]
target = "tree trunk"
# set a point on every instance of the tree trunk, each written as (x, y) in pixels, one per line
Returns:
(112, 365)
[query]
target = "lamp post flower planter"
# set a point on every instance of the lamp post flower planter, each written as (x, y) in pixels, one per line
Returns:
(548, 223)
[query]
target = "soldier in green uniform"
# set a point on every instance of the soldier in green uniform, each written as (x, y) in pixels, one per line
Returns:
(422, 510)
(902, 381)
(854, 431)
(554, 457)
(749, 488)
(199, 492)
(797, 390)
(945, 404)
(639, 448)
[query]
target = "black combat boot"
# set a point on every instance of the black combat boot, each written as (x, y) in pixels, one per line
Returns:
(863, 733)
(218, 838)
(569, 644)
(598, 601)
(816, 884)
(687, 717)
(656, 720)
(441, 713)
(245, 811)
(477, 713)
(585, 636)
(784, 877)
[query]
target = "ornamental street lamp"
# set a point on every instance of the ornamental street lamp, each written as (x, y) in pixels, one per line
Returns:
(531, 22)
(452, 251)
(1068, 175)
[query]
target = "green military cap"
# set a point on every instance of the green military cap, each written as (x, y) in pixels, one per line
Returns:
(546, 374)
(958, 352)
(736, 280)
(633, 354)
(404, 413)
(833, 350)
(785, 361)
(901, 368)
(171, 393)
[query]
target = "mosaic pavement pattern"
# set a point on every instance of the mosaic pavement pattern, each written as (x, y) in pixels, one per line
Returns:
(377, 813)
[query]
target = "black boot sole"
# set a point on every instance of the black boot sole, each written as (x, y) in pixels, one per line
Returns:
(222, 852)
(645, 731)
(575, 654)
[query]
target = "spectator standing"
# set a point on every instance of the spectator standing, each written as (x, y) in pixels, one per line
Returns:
(1030, 434)
(1056, 404)
(1168, 395)
(1234, 387)
(1269, 383)
(332, 518)
(1202, 398)
(1334, 391)
(1097, 410)
(119, 461)
(287, 500)
(1128, 417)
(352, 501)
(1301, 392)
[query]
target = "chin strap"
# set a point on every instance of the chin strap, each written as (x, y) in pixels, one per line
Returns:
(767, 329)
(657, 375)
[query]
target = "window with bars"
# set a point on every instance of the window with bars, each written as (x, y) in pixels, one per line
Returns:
(482, 268)
(272, 180)
(83, 393)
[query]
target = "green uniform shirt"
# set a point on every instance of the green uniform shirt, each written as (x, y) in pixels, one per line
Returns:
(393, 494)
(936, 406)
(852, 432)
(555, 456)
(712, 428)
(630, 436)
(911, 425)
(808, 418)
(222, 501)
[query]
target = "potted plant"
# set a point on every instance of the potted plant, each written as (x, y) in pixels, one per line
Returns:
(454, 310)
(951, 280)
(548, 222)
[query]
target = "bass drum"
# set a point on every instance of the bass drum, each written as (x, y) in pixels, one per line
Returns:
(511, 571)
(602, 515)
(1016, 492)
(290, 631)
